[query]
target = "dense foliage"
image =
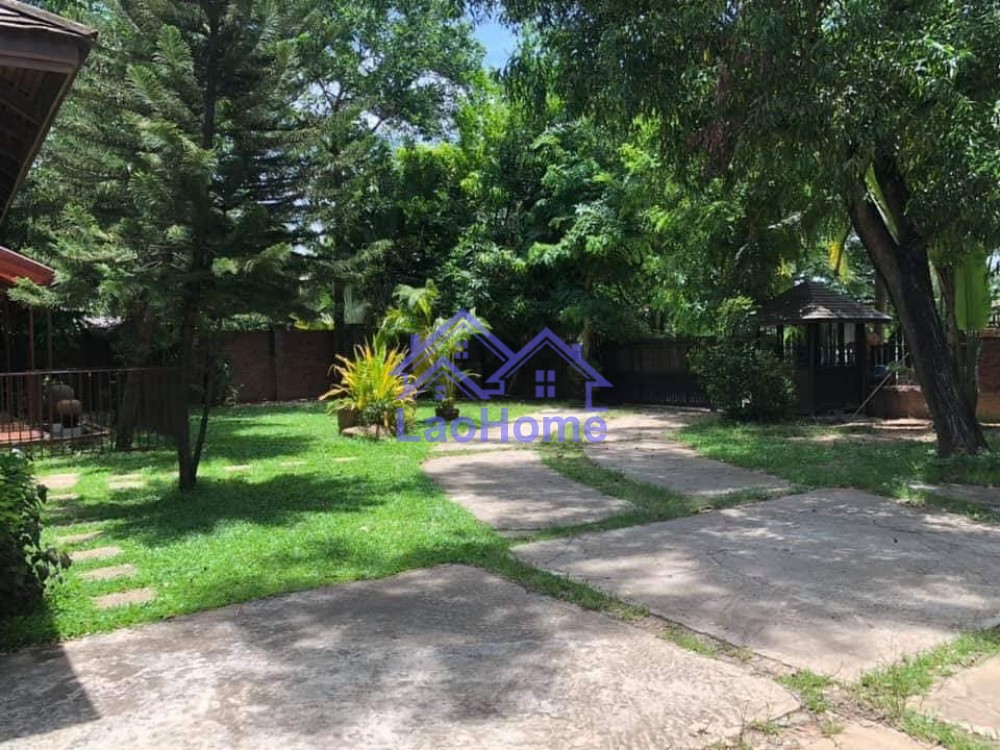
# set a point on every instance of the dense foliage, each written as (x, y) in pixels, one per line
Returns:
(228, 163)
(25, 565)
(876, 115)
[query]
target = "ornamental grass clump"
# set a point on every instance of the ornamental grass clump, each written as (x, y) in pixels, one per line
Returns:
(372, 386)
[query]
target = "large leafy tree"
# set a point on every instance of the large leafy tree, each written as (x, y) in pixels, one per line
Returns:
(381, 74)
(177, 164)
(882, 112)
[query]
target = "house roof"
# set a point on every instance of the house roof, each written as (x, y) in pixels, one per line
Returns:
(14, 266)
(40, 54)
(810, 302)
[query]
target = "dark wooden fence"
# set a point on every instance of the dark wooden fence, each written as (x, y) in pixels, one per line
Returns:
(651, 372)
(280, 365)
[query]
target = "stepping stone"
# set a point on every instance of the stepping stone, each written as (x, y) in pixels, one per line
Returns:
(867, 737)
(97, 553)
(86, 536)
(449, 658)
(970, 698)
(65, 497)
(237, 469)
(835, 581)
(515, 491)
(673, 466)
(60, 481)
(109, 573)
(124, 598)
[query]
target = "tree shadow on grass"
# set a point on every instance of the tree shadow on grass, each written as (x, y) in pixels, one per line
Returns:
(162, 514)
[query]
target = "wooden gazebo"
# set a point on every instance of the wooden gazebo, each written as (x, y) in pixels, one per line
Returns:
(823, 334)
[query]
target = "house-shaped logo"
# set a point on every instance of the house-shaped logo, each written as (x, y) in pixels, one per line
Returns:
(440, 357)
(437, 362)
(544, 379)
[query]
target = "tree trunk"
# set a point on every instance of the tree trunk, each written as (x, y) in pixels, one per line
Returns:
(187, 468)
(906, 270)
(964, 344)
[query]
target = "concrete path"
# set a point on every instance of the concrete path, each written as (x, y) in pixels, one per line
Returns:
(970, 698)
(673, 466)
(866, 737)
(450, 657)
(836, 581)
(514, 491)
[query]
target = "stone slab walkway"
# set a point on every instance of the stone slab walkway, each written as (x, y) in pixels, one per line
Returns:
(970, 698)
(836, 581)
(450, 657)
(514, 491)
(673, 466)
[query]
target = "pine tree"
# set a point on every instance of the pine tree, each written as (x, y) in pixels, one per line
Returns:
(178, 161)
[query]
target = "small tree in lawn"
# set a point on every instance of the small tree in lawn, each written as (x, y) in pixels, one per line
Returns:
(177, 161)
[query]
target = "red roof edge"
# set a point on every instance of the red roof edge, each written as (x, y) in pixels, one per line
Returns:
(14, 266)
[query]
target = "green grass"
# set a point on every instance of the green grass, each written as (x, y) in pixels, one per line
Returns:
(889, 690)
(811, 688)
(821, 456)
(345, 510)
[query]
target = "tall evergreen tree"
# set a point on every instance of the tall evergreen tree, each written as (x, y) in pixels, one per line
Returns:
(179, 162)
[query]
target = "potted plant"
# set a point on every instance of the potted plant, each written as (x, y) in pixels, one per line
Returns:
(446, 409)
(371, 388)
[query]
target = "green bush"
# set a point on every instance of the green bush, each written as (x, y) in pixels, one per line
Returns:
(744, 381)
(25, 565)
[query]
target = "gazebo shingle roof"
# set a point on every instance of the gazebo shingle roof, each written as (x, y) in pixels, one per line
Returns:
(40, 54)
(810, 302)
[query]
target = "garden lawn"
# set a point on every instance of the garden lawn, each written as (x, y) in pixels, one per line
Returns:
(283, 503)
(824, 456)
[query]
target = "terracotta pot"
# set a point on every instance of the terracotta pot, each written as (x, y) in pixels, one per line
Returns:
(346, 418)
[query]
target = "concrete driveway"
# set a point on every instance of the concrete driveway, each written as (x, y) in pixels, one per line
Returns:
(836, 581)
(450, 657)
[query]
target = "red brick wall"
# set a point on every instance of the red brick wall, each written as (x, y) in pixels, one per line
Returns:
(894, 402)
(989, 363)
(252, 364)
(281, 365)
(907, 400)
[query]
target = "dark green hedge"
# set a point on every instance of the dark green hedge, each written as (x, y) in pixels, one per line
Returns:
(25, 565)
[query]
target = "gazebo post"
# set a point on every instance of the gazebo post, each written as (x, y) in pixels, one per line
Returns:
(812, 347)
(861, 357)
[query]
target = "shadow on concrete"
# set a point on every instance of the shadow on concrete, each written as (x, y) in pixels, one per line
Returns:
(41, 691)
(836, 581)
